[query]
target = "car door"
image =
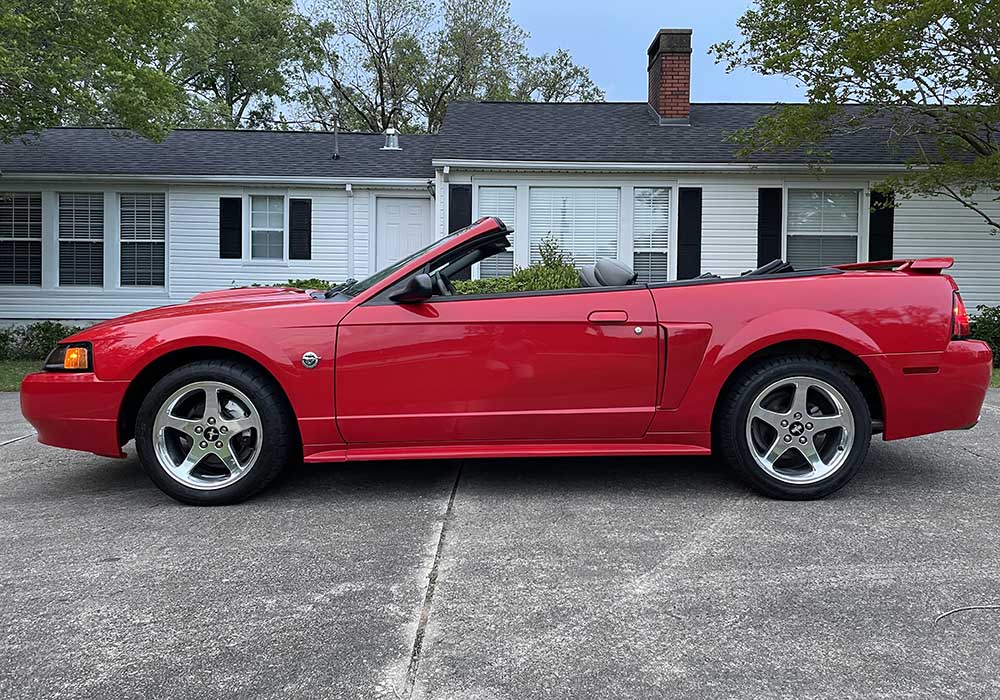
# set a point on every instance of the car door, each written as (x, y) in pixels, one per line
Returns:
(579, 365)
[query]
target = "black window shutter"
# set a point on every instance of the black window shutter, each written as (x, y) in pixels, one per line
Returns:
(689, 233)
(300, 229)
(459, 207)
(230, 227)
(880, 223)
(768, 224)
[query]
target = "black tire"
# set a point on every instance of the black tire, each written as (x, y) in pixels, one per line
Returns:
(278, 447)
(733, 443)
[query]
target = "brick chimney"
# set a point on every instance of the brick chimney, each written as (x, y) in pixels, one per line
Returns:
(669, 70)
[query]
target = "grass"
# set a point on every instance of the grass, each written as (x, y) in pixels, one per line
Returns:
(13, 371)
(995, 379)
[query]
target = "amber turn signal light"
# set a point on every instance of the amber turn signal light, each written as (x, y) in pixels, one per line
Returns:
(76, 358)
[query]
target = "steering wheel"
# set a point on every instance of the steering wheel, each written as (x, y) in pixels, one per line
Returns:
(444, 286)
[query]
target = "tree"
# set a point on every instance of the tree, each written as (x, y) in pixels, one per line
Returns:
(399, 63)
(86, 62)
(235, 60)
(555, 78)
(925, 72)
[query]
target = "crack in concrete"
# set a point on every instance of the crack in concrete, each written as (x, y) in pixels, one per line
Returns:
(17, 439)
(432, 578)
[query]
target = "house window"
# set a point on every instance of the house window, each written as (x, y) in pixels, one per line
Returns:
(267, 227)
(500, 202)
(822, 227)
(651, 233)
(21, 238)
(81, 238)
(583, 221)
(143, 239)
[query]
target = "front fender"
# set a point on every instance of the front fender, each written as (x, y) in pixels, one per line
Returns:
(121, 353)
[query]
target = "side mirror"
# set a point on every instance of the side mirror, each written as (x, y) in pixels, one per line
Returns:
(418, 288)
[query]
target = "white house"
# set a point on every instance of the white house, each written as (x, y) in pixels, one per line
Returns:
(94, 224)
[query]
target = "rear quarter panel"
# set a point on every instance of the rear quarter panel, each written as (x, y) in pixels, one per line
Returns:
(869, 314)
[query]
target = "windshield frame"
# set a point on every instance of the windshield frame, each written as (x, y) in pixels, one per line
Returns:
(361, 292)
(367, 283)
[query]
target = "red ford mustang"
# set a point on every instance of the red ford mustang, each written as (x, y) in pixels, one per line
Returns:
(785, 374)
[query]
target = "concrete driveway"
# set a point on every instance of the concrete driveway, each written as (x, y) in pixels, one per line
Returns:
(603, 578)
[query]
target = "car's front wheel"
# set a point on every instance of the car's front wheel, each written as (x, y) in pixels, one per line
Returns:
(214, 432)
(795, 427)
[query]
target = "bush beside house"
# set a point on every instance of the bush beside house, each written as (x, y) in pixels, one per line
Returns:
(554, 271)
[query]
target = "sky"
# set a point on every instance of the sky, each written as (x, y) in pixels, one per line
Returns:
(611, 38)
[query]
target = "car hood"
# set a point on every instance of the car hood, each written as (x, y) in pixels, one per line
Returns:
(226, 300)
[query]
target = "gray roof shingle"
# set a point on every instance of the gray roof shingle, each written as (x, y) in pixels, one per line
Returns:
(217, 152)
(612, 132)
(625, 132)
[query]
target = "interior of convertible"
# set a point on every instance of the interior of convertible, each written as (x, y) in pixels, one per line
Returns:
(606, 272)
(437, 278)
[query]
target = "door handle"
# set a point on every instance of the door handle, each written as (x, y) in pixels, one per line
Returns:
(608, 317)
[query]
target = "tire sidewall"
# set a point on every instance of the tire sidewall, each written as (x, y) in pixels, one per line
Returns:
(275, 439)
(759, 380)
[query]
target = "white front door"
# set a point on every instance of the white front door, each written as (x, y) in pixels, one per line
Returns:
(402, 226)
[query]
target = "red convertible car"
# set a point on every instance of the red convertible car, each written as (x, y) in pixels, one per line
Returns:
(786, 374)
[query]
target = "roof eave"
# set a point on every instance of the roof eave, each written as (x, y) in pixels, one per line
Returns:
(583, 166)
(224, 179)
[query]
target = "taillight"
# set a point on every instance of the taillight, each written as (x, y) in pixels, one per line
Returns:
(959, 318)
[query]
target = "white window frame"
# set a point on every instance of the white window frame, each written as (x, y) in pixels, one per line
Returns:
(476, 215)
(248, 228)
(522, 243)
(671, 230)
(864, 204)
(104, 240)
(27, 239)
(121, 243)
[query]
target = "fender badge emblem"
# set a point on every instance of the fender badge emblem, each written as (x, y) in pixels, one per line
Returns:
(310, 360)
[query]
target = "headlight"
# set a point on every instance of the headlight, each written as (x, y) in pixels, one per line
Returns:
(71, 357)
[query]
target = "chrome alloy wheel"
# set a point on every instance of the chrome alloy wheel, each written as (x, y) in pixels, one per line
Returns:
(800, 430)
(207, 435)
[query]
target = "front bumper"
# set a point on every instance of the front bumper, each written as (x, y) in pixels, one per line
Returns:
(929, 392)
(75, 411)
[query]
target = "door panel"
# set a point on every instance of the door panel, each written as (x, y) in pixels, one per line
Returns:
(514, 368)
(402, 225)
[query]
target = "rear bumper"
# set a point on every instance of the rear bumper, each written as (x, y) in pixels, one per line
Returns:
(75, 411)
(929, 392)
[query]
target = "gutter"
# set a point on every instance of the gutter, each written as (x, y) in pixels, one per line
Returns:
(661, 167)
(227, 179)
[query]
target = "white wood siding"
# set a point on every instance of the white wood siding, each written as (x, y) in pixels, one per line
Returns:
(729, 223)
(942, 227)
(340, 248)
(194, 236)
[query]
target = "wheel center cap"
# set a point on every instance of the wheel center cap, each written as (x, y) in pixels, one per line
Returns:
(795, 428)
(211, 434)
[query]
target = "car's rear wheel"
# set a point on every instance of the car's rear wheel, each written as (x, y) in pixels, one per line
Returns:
(795, 427)
(214, 432)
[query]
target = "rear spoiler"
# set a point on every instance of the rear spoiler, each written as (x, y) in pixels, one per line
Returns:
(930, 266)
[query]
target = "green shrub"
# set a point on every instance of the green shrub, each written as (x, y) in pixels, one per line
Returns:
(555, 271)
(311, 283)
(33, 341)
(985, 325)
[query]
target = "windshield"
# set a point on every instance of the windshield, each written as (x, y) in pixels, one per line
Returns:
(355, 288)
